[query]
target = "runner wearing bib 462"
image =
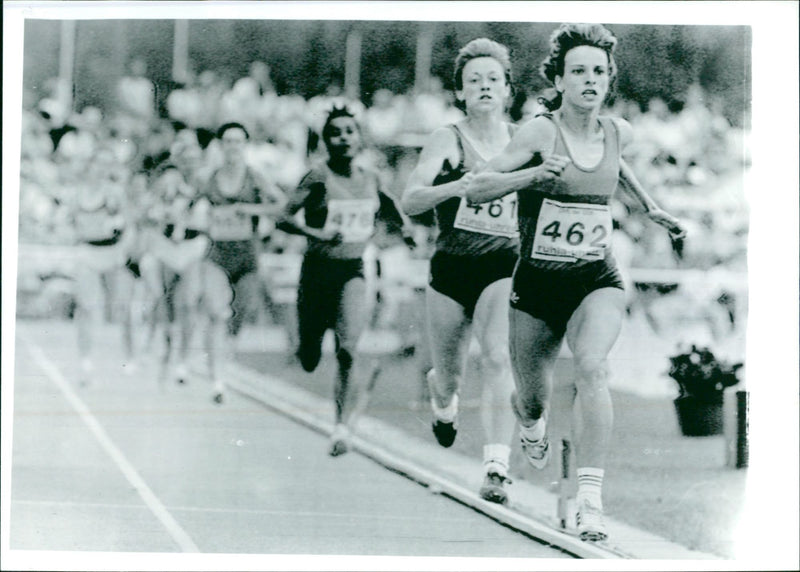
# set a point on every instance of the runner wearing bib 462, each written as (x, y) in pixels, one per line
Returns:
(564, 167)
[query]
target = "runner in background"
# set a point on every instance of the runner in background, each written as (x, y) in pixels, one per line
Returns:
(477, 245)
(340, 198)
(566, 283)
(233, 199)
(176, 246)
(102, 228)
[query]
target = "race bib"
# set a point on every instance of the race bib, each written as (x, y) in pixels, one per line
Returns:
(226, 223)
(498, 217)
(354, 219)
(97, 225)
(571, 231)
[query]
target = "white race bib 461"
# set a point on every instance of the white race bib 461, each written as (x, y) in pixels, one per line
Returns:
(571, 231)
(498, 217)
(354, 219)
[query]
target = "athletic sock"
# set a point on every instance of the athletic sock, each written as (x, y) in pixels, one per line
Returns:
(447, 413)
(534, 432)
(495, 458)
(590, 486)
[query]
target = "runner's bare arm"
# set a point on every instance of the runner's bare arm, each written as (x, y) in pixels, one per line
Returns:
(288, 222)
(633, 188)
(420, 194)
(273, 199)
(508, 171)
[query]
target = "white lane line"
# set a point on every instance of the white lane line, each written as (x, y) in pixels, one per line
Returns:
(150, 499)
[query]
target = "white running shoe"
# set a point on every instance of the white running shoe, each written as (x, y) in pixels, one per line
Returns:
(339, 440)
(181, 373)
(591, 522)
(493, 489)
(537, 451)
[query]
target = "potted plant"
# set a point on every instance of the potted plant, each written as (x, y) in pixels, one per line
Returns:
(701, 379)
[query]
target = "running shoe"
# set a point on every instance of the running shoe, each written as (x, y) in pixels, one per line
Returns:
(219, 393)
(590, 521)
(181, 373)
(339, 441)
(537, 451)
(444, 431)
(492, 489)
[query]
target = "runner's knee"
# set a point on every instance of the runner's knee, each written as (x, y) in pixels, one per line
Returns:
(591, 373)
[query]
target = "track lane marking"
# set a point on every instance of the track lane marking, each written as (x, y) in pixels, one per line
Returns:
(180, 536)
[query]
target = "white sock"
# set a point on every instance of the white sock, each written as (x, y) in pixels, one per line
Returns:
(495, 458)
(447, 413)
(590, 486)
(536, 431)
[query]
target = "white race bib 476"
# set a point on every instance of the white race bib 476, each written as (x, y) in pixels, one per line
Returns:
(498, 217)
(354, 219)
(571, 231)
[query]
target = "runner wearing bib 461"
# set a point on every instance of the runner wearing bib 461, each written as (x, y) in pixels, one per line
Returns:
(476, 249)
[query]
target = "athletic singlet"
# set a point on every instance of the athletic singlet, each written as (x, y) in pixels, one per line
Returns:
(226, 225)
(172, 216)
(101, 224)
(566, 223)
(475, 230)
(344, 204)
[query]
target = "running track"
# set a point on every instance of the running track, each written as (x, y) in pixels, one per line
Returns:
(125, 465)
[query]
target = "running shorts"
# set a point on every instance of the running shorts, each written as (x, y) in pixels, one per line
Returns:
(236, 258)
(554, 295)
(322, 282)
(464, 278)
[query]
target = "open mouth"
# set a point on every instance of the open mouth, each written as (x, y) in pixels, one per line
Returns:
(589, 92)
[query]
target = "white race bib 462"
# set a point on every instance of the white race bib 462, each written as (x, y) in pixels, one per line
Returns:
(498, 217)
(354, 219)
(571, 231)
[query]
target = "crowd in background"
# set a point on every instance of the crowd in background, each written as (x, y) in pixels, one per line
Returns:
(690, 159)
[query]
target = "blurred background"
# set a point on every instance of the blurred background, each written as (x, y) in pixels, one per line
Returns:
(123, 83)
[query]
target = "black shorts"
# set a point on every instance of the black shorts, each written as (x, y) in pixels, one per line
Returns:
(554, 295)
(464, 278)
(319, 294)
(236, 258)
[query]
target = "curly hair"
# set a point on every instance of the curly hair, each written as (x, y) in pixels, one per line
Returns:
(335, 113)
(482, 48)
(569, 36)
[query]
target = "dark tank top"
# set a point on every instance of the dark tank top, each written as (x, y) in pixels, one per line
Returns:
(479, 229)
(566, 223)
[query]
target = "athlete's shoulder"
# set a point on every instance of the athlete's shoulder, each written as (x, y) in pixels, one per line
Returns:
(444, 136)
(317, 174)
(624, 128)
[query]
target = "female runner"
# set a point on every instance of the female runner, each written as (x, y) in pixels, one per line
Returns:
(477, 246)
(105, 234)
(566, 282)
(233, 199)
(340, 199)
(177, 246)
